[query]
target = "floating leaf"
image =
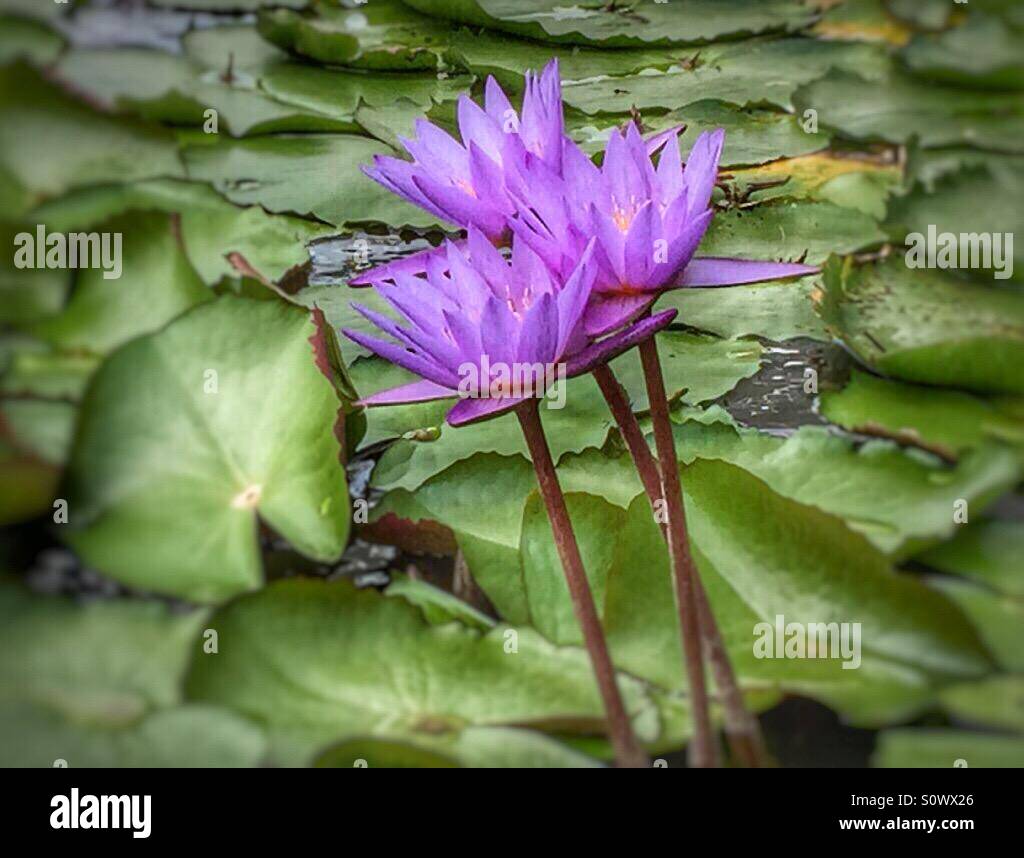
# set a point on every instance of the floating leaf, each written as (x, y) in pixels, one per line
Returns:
(775, 311)
(943, 421)
(98, 685)
(401, 679)
(940, 749)
(383, 35)
(788, 231)
(155, 285)
(997, 703)
(188, 434)
(747, 73)
(989, 552)
(998, 619)
(900, 108)
(983, 51)
(751, 136)
(317, 175)
(211, 228)
(52, 144)
(926, 326)
(646, 22)
(952, 207)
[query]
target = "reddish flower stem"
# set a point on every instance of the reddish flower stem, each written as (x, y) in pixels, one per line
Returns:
(741, 728)
(628, 753)
(703, 749)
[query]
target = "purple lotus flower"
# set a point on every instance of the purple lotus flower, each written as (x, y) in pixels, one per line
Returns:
(463, 183)
(476, 317)
(647, 221)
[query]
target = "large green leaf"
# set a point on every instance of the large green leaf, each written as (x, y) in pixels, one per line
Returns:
(945, 421)
(983, 51)
(156, 284)
(990, 552)
(317, 174)
(775, 311)
(50, 143)
(941, 749)
(952, 206)
(253, 86)
(900, 108)
(99, 685)
(999, 619)
(898, 499)
(188, 434)
(997, 703)
(788, 231)
(211, 228)
(926, 326)
(385, 34)
(318, 663)
(645, 22)
(751, 136)
(746, 73)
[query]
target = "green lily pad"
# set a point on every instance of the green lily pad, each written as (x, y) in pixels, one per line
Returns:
(253, 87)
(775, 311)
(751, 136)
(944, 421)
(745, 74)
(762, 556)
(998, 619)
(488, 53)
(472, 747)
(317, 175)
(43, 428)
(438, 606)
(926, 326)
(50, 144)
(789, 231)
(983, 51)
(900, 108)
(22, 39)
(989, 552)
(899, 499)
(155, 285)
(941, 749)
(383, 35)
(100, 685)
(221, 417)
(27, 294)
(211, 228)
(401, 679)
(645, 22)
(952, 207)
(997, 703)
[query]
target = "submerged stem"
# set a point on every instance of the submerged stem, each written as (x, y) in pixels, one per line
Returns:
(741, 728)
(628, 753)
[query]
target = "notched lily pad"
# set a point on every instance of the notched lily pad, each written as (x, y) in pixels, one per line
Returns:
(189, 434)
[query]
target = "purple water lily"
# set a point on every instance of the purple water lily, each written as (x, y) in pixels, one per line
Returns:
(647, 219)
(464, 183)
(478, 317)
